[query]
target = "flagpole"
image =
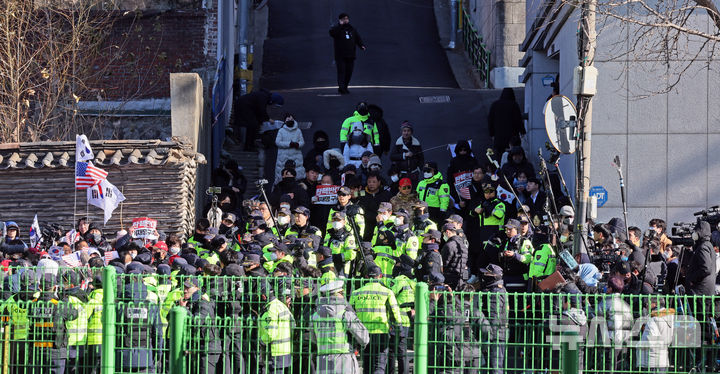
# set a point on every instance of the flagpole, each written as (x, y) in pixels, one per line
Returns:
(122, 190)
(74, 218)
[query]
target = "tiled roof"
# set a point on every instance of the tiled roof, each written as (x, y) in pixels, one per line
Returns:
(107, 153)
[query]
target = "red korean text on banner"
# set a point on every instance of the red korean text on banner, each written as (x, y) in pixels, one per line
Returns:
(326, 195)
(463, 181)
(144, 228)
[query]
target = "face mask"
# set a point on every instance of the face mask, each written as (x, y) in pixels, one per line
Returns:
(323, 144)
(519, 184)
(290, 124)
(273, 256)
(445, 237)
(430, 246)
(97, 238)
(399, 221)
(567, 221)
(337, 225)
(223, 229)
(283, 220)
(384, 217)
(288, 180)
(624, 258)
(563, 238)
(427, 175)
(394, 178)
(132, 255)
(334, 163)
(695, 236)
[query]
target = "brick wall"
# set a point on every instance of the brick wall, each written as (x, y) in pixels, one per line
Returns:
(142, 51)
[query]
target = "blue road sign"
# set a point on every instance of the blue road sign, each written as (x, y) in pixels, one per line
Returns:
(601, 193)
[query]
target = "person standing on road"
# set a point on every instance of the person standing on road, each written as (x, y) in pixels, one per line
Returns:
(345, 39)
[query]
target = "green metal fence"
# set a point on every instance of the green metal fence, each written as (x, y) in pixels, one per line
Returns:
(476, 49)
(151, 323)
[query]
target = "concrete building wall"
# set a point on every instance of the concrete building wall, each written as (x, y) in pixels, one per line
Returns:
(502, 26)
(666, 141)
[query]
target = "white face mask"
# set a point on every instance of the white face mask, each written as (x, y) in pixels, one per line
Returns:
(384, 217)
(394, 178)
(133, 254)
(695, 236)
(399, 221)
(428, 175)
(337, 225)
(283, 220)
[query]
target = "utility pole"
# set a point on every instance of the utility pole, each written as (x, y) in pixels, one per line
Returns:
(585, 82)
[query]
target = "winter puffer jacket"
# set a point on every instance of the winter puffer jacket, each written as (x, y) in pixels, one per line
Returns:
(656, 338)
(285, 136)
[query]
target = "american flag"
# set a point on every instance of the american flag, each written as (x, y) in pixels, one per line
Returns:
(87, 175)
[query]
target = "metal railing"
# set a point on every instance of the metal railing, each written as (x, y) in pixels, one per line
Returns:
(475, 48)
(146, 325)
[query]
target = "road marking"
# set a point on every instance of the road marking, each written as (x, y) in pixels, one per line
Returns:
(434, 99)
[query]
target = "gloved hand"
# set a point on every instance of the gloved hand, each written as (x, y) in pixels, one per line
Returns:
(487, 208)
(294, 145)
(352, 210)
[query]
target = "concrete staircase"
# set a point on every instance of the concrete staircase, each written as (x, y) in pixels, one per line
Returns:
(251, 164)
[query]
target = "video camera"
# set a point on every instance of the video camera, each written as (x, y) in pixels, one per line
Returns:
(682, 231)
(710, 215)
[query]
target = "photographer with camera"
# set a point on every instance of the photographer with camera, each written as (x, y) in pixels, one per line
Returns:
(700, 277)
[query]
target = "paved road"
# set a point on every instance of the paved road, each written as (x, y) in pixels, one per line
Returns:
(404, 61)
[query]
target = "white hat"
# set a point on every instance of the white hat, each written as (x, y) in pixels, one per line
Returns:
(333, 286)
(567, 211)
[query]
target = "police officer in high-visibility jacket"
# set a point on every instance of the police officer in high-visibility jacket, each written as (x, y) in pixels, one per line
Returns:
(46, 329)
(515, 254)
(77, 328)
(275, 326)
(333, 323)
(323, 256)
(302, 229)
(421, 222)
(345, 205)
(360, 118)
(342, 243)
(14, 313)
(377, 308)
(491, 214)
(94, 327)
(434, 191)
(383, 241)
(544, 258)
(403, 286)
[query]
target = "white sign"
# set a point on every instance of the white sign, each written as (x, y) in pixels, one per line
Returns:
(144, 228)
(326, 195)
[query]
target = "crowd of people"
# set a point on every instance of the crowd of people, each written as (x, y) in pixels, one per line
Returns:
(334, 217)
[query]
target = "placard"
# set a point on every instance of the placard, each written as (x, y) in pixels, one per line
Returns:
(463, 181)
(144, 228)
(326, 195)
